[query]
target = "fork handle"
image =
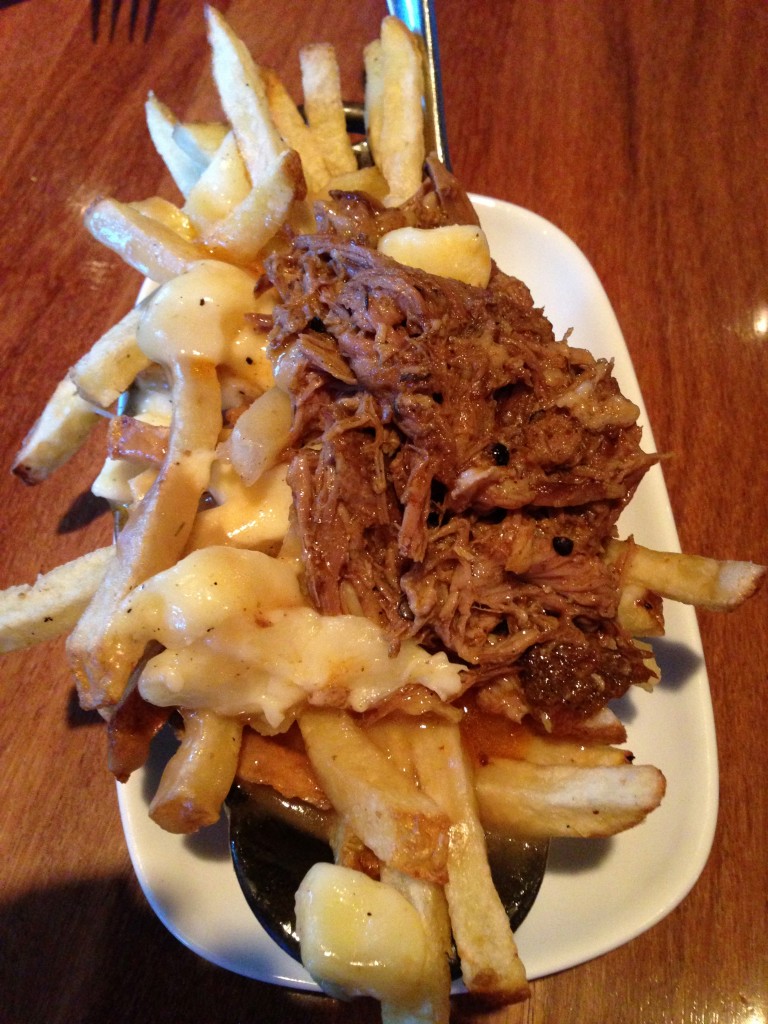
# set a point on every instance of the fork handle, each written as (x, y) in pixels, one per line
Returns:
(419, 16)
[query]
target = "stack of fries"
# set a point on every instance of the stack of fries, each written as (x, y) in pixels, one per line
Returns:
(195, 614)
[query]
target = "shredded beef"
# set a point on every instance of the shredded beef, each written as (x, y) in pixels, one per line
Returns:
(457, 469)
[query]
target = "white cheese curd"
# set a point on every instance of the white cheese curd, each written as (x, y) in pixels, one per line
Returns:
(197, 315)
(359, 937)
(247, 517)
(292, 655)
(459, 251)
(260, 435)
(204, 589)
(114, 481)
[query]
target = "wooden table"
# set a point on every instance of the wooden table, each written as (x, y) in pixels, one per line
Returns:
(638, 128)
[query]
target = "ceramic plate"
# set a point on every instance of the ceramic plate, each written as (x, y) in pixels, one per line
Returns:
(597, 894)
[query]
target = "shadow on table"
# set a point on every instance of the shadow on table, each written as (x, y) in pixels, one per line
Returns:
(93, 952)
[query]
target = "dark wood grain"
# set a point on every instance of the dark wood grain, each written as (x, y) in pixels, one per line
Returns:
(639, 128)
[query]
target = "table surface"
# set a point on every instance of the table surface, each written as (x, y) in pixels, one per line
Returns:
(638, 128)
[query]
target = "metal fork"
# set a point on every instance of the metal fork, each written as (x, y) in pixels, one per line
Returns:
(133, 18)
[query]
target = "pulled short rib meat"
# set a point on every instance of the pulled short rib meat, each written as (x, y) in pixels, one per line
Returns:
(457, 470)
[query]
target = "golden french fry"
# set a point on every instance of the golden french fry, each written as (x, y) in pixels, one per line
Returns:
(111, 364)
(401, 150)
(373, 59)
(198, 777)
(266, 762)
(243, 98)
(640, 612)
(162, 124)
(486, 736)
(165, 212)
(432, 1004)
(241, 236)
(130, 730)
(220, 189)
(133, 439)
(59, 432)
(50, 607)
(200, 140)
(275, 172)
(490, 963)
(365, 179)
(149, 246)
(324, 107)
(691, 579)
(294, 131)
(402, 826)
(155, 534)
(536, 800)
(260, 435)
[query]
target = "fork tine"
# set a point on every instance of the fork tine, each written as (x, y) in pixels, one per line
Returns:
(113, 16)
(133, 18)
(149, 24)
(95, 15)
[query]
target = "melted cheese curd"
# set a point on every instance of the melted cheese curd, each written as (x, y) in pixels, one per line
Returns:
(239, 637)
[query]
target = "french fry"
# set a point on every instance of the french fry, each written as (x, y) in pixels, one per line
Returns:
(199, 775)
(243, 98)
(364, 179)
(537, 801)
(220, 189)
(166, 213)
(162, 124)
(241, 236)
(400, 151)
(154, 536)
(200, 139)
(432, 1006)
(149, 246)
(487, 736)
(373, 59)
(130, 730)
(640, 611)
(112, 363)
(402, 826)
(490, 964)
(394, 735)
(275, 172)
(49, 607)
(324, 107)
(294, 131)
(691, 579)
(266, 762)
(132, 439)
(59, 432)
(260, 435)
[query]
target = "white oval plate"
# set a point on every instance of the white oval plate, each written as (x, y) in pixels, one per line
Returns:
(597, 894)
